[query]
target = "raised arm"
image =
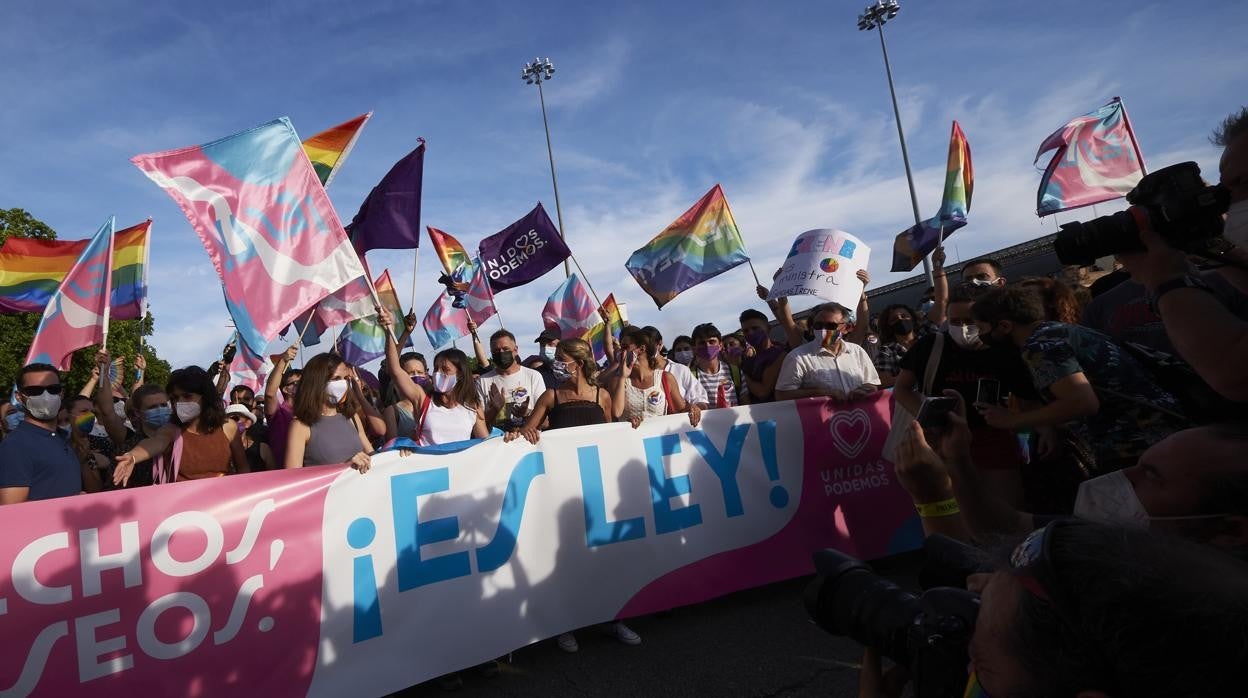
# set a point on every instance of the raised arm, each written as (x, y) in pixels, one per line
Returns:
(104, 402)
(409, 326)
(862, 318)
(274, 382)
(940, 289)
(140, 369)
(483, 357)
(406, 386)
(783, 314)
(372, 418)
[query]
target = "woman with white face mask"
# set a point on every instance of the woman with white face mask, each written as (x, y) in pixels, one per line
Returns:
(198, 442)
(446, 407)
(965, 364)
(327, 429)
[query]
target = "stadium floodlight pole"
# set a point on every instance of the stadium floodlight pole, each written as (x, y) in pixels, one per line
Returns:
(535, 73)
(874, 17)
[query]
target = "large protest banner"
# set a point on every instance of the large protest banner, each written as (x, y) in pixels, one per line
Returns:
(823, 263)
(325, 582)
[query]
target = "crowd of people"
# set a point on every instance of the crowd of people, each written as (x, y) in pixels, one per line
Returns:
(1062, 408)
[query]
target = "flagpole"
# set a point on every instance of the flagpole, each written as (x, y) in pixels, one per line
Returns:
(147, 261)
(586, 279)
(1135, 143)
(372, 290)
(748, 260)
(108, 285)
(415, 265)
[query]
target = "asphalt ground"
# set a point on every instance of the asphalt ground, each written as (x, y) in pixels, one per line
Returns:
(759, 642)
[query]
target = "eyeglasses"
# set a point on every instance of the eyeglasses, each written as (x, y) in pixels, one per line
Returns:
(37, 390)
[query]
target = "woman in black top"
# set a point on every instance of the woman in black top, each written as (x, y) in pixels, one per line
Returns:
(577, 400)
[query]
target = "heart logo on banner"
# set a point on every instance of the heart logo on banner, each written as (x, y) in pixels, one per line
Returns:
(850, 432)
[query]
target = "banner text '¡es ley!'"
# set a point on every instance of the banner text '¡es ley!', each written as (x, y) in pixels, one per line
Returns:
(410, 534)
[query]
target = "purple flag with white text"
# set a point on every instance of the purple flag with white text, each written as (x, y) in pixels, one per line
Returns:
(522, 251)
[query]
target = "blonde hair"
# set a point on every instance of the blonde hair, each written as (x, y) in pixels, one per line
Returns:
(579, 351)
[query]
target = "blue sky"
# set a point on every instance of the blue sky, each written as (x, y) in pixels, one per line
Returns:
(784, 103)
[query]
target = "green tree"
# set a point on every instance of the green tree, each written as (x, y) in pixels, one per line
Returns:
(18, 223)
(18, 331)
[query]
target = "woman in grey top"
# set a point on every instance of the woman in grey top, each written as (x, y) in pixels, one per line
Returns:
(327, 429)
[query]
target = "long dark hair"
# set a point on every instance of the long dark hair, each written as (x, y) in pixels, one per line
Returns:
(310, 399)
(194, 380)
(465, 392)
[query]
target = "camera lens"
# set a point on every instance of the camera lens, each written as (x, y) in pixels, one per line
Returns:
(848, 598)
(1083, 243)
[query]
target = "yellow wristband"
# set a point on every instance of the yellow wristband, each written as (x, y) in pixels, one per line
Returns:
(936, 510)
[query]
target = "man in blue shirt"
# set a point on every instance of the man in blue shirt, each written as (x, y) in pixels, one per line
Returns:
(36, 461)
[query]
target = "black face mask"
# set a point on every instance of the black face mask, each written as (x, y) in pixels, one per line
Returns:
(503, 359)
(902, 327)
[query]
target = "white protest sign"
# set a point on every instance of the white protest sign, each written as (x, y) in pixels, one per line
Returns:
(823, 263)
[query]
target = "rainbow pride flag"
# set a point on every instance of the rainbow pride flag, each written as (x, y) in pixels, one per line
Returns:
(329, 149)
(31, 270)
(612, 311)
(703, 243)
(450, 252)
(596, 338)
(77, 315)
(364, 339)
(916, 242)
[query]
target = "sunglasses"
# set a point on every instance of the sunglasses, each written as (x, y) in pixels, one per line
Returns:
(37, 390)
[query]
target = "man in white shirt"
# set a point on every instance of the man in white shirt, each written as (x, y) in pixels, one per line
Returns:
(690, 387)
(827, 366)
(508, 391)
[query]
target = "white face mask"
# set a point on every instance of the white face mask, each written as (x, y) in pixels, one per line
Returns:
(1110, 499)
(335, 390)
(187, 411)
(965, 336)
(1236, 227)
(548, 353)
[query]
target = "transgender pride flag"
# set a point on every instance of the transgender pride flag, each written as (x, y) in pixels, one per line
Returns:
(1095, 159)
(264, 218)
(77, 315)
(444, 323)
(569, 310)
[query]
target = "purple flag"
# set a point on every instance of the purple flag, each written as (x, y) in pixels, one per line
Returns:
(389, 219)
(522, 251)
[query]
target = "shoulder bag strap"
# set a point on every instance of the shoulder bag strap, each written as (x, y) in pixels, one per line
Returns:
(933, 364)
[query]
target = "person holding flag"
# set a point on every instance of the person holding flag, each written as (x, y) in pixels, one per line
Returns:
(449, 410)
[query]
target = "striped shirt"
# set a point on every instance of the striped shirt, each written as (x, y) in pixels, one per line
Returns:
(712, 382)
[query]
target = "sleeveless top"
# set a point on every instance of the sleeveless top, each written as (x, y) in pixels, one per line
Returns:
(576, 413)
(334, 440)
(443, 425)
(254, 459)
(645, 402)
(204, 455)
(404, 422)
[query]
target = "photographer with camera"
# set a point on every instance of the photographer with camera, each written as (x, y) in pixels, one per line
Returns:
(1175, 214)
(1193, 484)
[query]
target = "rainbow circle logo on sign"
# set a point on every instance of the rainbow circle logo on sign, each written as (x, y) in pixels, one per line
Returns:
(829, 265)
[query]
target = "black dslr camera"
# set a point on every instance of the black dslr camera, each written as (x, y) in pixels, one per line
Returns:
(1185, 211)
(928, 634)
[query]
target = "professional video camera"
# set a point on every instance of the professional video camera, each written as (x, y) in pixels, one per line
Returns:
(1174, 201)
(927, 634)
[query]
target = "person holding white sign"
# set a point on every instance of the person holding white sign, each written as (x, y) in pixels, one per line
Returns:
(827, 366)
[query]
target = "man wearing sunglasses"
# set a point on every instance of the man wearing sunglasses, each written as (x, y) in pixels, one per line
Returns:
(37, 461)
(827, 366)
